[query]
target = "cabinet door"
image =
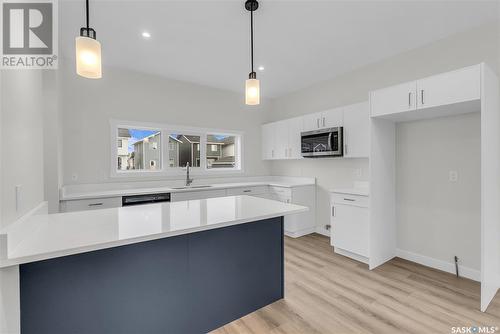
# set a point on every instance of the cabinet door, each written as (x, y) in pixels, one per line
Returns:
(332, 118)
(451, 87)
(294, 130)
(350, 229)
(312, 121)
(281, 140)
(356, 130)
(395, 99)
(268, 141)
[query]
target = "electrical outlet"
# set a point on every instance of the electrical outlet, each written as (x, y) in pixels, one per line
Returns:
(453, 176)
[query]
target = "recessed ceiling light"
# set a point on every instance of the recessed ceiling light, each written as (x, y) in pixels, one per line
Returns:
(146, 34)
(261, 68)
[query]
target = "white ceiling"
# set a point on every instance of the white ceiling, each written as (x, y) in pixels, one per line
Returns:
(298, 42)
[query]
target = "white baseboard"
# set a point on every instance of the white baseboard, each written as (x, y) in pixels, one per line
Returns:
(351, 255)
(449, 267)
(319, 230)
(300, 233)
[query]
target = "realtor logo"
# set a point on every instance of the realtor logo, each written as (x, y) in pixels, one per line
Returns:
(29, 34)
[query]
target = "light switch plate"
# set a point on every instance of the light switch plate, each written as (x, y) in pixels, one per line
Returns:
(453, 176)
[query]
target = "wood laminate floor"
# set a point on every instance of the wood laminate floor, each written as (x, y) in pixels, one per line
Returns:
(329, 293)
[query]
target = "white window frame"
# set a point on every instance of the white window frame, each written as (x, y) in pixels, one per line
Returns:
(166, 130)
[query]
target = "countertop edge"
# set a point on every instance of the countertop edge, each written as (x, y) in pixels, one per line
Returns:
(84, 249)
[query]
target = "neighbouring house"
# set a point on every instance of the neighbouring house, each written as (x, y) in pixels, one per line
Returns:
(122, 142)
(146, 153)
(186, 148)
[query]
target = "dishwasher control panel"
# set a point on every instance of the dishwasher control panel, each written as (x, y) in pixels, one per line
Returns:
(145, 199)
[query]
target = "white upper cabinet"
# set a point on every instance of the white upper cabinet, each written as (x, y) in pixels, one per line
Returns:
(452, 87)
(357, 130)
(394, 99)
(332, 118)
(268, 141)
(325, 119)
(281, 140)
(439, 90)
(312, 121)
(294, 144)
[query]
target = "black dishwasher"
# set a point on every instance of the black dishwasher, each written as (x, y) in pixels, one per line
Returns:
(145, 199)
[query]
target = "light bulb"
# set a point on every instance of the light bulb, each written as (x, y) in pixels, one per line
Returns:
(88, 57)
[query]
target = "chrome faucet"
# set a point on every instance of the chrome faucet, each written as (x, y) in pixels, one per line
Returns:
(188, 180)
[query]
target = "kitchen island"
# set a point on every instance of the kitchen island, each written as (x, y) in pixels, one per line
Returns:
(183, 267)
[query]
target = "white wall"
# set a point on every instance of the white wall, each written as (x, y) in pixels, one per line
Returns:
(88, 105)
(22, 142)
(466, 48)
(438, 218)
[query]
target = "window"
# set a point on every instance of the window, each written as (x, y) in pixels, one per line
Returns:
(184, 149)
(140, 150)
(221, 151)
(155, 148)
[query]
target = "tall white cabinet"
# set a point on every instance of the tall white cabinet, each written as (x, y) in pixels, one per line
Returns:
(470, 89)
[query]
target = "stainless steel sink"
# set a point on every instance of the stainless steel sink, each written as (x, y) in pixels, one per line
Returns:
(192, 187)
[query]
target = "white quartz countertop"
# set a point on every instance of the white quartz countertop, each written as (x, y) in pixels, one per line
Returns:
(77, 193)
(55, 235)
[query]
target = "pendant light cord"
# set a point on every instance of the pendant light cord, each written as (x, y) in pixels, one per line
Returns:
(87, 11)
(251, 36)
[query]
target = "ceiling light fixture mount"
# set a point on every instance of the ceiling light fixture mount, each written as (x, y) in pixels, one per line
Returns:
(88, 51)
(252, 85)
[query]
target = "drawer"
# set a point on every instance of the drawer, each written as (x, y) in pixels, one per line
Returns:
(347, 199)
(281, 191)
(91, 204)
(255, 190)
(191, 195)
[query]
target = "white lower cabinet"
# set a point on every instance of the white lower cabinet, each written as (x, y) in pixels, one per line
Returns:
(299, 224)
(91, 204)
(350, 226)
(191, 195)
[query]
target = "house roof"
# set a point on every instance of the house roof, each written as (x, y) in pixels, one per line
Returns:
(123, 133)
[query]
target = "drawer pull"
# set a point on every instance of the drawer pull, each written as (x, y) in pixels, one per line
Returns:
(96, 204)
(247, 191)
(349, 200)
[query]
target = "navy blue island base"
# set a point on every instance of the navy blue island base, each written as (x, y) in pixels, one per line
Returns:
(191, 283)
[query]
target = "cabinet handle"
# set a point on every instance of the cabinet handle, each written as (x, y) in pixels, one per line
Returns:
(349, 200)
(272, 153)
(345, 149)
(409, 99)
(96, 204)
(422, 96)
(317, 122)
(323, 121)
(333, 211)
(247, 191)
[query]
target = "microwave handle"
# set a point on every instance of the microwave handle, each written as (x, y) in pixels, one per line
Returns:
(330, 146)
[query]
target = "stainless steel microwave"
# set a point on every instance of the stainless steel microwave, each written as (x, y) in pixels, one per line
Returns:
(322, 143)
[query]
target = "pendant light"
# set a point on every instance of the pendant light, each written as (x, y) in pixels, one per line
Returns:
(88, 51)
(252, 85)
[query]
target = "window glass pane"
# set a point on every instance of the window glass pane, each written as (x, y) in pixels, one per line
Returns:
(183, 149)
(221, 151)
(139, 149)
